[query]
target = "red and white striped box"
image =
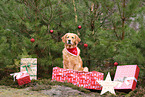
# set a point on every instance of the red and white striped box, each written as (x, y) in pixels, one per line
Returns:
(127, 75)
(81, 79)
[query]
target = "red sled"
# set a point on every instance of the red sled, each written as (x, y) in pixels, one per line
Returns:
(23, 78)
(87, 80)
(127, 75)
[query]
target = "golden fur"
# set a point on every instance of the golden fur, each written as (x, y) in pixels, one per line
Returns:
(69, 61)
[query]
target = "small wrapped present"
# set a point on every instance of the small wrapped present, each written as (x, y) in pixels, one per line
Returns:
(79, 78)
(127, 75)
(29, 65)
(22, 77)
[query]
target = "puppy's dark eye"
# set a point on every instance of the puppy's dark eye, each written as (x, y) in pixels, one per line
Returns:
(67, 36)
(72, 37)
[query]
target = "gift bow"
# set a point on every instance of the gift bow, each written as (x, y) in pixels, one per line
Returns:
(27, 66)
(125, 80)
(17, 74)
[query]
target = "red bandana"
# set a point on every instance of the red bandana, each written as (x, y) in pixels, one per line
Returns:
(73, 51)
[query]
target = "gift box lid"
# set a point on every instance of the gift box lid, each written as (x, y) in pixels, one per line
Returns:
(127, 71)
(22, 74)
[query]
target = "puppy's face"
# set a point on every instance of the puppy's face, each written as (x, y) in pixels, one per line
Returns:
(71, 39)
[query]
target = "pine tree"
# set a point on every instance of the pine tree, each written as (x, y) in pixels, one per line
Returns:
(105, 28)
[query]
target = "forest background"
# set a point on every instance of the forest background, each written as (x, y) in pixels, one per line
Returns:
(113, 29)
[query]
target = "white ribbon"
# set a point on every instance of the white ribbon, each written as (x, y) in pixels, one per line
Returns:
(17, 74)
(125, 80)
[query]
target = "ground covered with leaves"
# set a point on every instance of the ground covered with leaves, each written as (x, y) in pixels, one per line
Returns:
(47, 88)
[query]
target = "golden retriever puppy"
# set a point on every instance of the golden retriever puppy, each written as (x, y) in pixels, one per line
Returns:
(71, 53)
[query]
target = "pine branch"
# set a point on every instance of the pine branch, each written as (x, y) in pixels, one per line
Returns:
(123, 20)
(114, 28)
(119, 8)
(105, 18)
(51, 15)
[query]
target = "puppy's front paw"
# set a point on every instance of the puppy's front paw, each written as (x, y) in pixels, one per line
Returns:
(86, 69)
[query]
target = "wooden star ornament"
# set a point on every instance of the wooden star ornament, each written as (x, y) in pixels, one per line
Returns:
(108, 85)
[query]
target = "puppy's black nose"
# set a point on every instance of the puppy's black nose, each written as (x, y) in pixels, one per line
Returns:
(69, 41)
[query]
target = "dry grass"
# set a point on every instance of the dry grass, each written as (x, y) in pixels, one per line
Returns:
(46, 84)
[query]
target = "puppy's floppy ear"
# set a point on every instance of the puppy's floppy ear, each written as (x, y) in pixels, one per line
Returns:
(63, 38)
(77, 39)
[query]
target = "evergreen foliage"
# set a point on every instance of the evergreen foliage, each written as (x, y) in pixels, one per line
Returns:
(106, 28)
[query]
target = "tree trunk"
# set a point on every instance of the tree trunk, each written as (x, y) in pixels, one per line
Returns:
(75, 10)
(123, 20)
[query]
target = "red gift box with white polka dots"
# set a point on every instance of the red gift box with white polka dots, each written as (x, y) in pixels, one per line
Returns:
(127, 75)
(79, 78)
